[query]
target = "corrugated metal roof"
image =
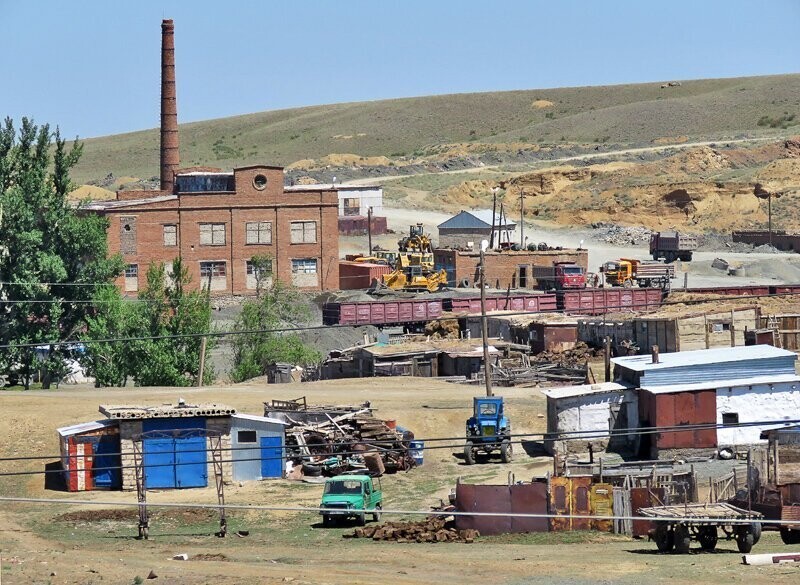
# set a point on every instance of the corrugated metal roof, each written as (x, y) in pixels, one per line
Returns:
(584, 390)
(476, 218)
(256, 418)
(641, 363)
(85, 427)
(716, 384)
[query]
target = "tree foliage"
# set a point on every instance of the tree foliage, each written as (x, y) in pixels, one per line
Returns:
(51, 255)
(275, 306)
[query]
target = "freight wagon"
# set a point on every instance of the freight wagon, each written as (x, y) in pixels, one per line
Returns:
(595, 301)
(399, 312)
(522, 303)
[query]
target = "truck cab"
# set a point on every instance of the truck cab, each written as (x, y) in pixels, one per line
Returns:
(569, 275)
(488, 429)
(351, 496)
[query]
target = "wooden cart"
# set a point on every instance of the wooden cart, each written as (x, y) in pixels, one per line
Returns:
(676, 526)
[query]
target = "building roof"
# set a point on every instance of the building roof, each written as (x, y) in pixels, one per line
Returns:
(166, 411)
(331, 187)
(716, 384)
(117, 203)
(476, 218)
(642, 363)
(85, 427)
(256, 418)
(584, 390)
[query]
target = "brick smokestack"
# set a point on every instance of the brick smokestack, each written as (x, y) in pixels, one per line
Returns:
(170, 157)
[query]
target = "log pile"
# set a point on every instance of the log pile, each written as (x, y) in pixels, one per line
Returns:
(432, 529)
(569, 358)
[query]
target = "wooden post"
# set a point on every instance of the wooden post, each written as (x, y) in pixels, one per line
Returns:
(705, 326)
(202, 362)
(685, 280)
(607, 358)
(369, 230)
(494, 209)
(733, 329)
(485, 328)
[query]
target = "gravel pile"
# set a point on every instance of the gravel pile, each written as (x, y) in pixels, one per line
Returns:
(620, 235)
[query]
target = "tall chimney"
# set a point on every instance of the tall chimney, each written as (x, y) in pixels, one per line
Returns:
(170, 157)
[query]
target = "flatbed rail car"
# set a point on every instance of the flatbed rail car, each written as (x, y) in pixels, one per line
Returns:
(676, 526)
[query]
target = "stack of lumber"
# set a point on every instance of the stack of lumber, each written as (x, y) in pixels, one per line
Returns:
(433, 529)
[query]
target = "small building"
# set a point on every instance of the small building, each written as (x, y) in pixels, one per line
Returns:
(357, 204)
(540, 331)
(506, 269)
(465, 361)
(579, 416)
(258, 447)
(466, 230)
(398, 359)
(90, 456)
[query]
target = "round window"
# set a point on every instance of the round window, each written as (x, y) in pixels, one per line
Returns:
(260, 182)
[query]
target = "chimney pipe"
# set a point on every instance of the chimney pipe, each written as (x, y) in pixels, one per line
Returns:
(654, 353)
(170, 157)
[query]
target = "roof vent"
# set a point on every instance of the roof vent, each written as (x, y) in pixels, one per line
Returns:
(654, 354)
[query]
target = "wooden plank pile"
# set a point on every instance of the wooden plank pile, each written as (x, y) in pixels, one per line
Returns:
(432, 529)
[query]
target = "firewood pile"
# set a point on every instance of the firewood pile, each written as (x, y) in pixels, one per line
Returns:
(339, 439)
(569, 358)
(432, 529)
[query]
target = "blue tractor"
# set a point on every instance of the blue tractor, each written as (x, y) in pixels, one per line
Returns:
(488, 430)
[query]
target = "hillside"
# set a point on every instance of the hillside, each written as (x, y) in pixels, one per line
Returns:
(403, 129)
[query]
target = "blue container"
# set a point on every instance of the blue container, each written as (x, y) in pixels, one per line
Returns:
(417, 449)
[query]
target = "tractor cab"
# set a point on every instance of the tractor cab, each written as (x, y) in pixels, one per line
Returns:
(488, 429)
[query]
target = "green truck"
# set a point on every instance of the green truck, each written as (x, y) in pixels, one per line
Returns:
(351, 496)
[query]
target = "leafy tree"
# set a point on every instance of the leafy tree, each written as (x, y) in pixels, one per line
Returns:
(275, 306)
(113, 318)
(51, 254)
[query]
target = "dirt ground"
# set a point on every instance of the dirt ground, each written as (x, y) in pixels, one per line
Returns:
(79, 543)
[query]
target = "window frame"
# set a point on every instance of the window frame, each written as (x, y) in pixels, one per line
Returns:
(164, 232)
(213, 232)
(134, 268)
(261, 226)
(303, 228)
(298, 268)
(732, 419)
(213, 265)
(247, 432)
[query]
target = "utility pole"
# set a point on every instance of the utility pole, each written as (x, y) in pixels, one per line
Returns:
(202, 368)
(769, 211)
(494, 209)
(485, 328)
(369, 230)
(522, 219)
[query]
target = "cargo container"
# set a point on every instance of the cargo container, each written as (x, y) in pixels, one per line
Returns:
(595, 301)
(360, 275)
(380, 313)
(522, 303)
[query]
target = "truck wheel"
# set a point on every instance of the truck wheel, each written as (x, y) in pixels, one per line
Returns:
(664, 537)
(361, 519)
(655, 255)
(469, 454)
(789, 536)
(707, 537)
(505, 451)
(683, 539)
(628, 283)
(376, 515)
(327, 521)
(745, 539)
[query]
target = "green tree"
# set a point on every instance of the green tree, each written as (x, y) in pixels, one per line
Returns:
(113, 318)
(51, 254)
(276, 306)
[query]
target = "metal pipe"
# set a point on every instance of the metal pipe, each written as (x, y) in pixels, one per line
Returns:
(487, 375)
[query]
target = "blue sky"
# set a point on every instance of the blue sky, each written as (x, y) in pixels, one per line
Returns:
(92, 66)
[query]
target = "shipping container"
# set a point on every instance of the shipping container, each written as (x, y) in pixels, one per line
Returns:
(360, 275)
(606, 300)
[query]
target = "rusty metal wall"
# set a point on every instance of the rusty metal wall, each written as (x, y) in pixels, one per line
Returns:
(643, 497)
(684, 408)
(515, 499)
(601, 498)
(568, 496)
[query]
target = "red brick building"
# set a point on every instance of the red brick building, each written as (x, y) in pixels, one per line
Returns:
(217, 221)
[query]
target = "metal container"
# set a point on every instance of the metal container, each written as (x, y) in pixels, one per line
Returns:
(607, 300)
(360, 275)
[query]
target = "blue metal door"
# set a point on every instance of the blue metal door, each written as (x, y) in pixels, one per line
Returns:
(190, 462)
(271, 457)
(175, 453)
(107, 462)
(159, 463)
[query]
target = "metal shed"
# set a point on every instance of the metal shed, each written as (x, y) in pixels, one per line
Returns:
(257, 443)
(90, 455)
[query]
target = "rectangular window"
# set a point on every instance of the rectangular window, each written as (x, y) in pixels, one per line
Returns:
(212, 270)
(132, 271)
(132, 278)
(170, 235)
(304, 266)
(352, 206)
(252, 270)
(719, 327)
(304, 232)
(258, 232)
(246, 436)
(212, 234)
(730, 419)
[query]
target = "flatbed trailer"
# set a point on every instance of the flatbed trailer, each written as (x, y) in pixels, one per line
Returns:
(676, 526)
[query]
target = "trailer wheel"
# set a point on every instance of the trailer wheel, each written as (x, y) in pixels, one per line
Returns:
(469, 454)
(505, 451)
(683, 539)
(756, 532)
(789, 536)
(664, 537)
(707, 537)
(745, 539)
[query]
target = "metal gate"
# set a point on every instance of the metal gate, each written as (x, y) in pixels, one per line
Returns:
(174, 453)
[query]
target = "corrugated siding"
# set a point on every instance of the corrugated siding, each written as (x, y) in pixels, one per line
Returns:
(711, 372)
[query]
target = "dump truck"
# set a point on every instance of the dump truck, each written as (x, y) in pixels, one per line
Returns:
(559, 276)
(629, 272)
(672, 246)
(488, 430)
(350, 496)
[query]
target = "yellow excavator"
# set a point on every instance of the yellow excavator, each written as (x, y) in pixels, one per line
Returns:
(414, 269)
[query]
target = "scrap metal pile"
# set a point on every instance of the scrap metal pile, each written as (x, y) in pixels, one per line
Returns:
(432, 529)
(330, 440)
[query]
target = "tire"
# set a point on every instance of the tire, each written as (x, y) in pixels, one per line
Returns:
(505, 451)
(376, 515)
(664, 537)
(745, 539)
(789, 536)
(311, 470)
(627, 283)
(683, 539)
(361, 519)
(707, 537)
(327, 520)
(756, 532)
(469, 454)
(655, 256)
